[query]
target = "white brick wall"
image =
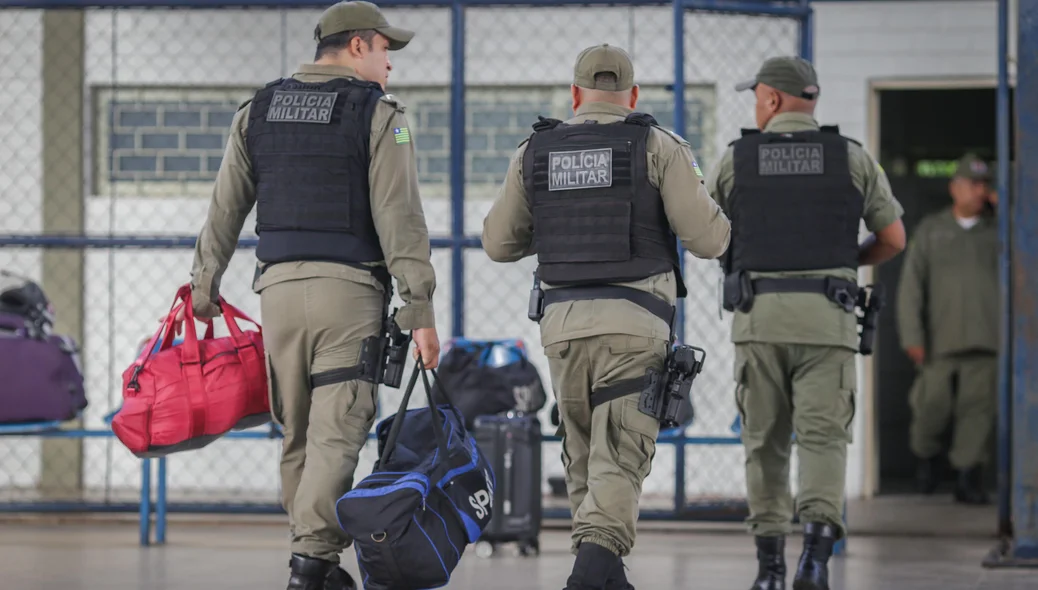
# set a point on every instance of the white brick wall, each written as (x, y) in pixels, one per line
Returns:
(860, 41)
(855, 42)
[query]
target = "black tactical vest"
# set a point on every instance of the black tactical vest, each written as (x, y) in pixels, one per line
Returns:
(596, 218)
(793, 205)
(310, 149)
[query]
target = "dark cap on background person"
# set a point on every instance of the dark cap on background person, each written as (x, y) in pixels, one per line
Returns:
(973, 168)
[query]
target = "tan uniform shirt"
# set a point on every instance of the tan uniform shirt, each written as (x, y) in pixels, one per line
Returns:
(395, 207)
(808, 318)
(948, 297)
(698, 222)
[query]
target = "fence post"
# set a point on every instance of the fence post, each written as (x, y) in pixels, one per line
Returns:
(62, 121)
(1024, 248)
(807, 31)
(457, 168)
(1021, 207)
(1005, 405)
(678, 7)
(679, 127)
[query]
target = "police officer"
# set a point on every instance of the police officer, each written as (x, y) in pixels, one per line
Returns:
(795, 193)
(327, 158)
(599, 198)
(948, 318)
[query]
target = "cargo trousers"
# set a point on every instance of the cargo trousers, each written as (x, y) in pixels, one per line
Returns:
(963, 387)
(782, 389)
(311, 325)
(607, 453)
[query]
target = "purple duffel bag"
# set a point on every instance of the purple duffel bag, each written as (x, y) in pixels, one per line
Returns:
(40, 375)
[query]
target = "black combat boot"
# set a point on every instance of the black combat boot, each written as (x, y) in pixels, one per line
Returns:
(617, 579)
(338, 579)
(309, 573)
(928, 475)
(771, 560)
(813, 569)
(592, 567)
(969, 489)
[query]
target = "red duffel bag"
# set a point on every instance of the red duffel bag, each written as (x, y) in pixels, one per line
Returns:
(180, 398)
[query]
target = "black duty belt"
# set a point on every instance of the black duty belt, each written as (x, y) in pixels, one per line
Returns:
(839, 291)
(647, 301)
(381, 273)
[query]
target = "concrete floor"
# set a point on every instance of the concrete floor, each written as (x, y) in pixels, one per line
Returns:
(205, 555)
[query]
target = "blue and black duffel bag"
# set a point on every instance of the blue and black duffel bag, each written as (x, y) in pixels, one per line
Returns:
(429, 496)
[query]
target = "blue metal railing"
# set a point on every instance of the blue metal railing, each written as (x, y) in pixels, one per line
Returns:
(457, 242)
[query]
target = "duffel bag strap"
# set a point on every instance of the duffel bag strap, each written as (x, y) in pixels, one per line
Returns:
(438, 425)
(191, 369)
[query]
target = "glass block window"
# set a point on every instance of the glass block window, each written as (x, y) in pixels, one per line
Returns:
(152, 141)
(157, 141)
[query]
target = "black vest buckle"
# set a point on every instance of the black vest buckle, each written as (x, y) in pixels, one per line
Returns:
(545, 124)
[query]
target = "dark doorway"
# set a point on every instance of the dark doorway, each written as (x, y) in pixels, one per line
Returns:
(922, 134)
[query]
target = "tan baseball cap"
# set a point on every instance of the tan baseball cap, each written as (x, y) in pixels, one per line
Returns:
(600, 59)
(792, 75)
(359, 16)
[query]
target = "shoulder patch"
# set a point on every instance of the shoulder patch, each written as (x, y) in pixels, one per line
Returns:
(394, 102)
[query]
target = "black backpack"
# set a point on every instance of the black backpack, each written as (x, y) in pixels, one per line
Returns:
(480, 386)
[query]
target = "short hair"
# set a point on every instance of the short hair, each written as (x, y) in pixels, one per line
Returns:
(339, 41)
(606, 78)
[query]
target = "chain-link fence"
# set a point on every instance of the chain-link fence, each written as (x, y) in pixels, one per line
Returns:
(114, 123)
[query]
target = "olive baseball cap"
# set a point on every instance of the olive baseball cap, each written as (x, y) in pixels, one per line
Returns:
(600, 59)
(972, 167)
(359, 16)
(792, 75)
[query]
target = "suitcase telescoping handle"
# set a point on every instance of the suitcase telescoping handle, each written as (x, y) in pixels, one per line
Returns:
(438, 421)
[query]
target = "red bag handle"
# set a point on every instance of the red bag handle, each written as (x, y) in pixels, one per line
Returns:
(229, 312)
(165, 330)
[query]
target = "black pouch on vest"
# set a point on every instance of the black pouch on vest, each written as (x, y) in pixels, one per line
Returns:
(737, 292)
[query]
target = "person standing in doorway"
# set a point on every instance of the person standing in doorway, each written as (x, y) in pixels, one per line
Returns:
(948, 324)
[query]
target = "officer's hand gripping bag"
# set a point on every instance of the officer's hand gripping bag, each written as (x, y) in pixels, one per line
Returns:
(429, 496)
(179, 398)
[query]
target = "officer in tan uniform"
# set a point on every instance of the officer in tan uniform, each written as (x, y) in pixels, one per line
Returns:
(795, 192)
(611, 286)
(326, 156)
(948, 323)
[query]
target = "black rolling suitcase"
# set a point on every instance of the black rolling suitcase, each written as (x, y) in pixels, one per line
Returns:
(512, 446)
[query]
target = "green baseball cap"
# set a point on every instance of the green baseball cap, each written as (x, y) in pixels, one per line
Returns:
(792, 75)
(600, 59)
(972, 167)
(359, 16)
